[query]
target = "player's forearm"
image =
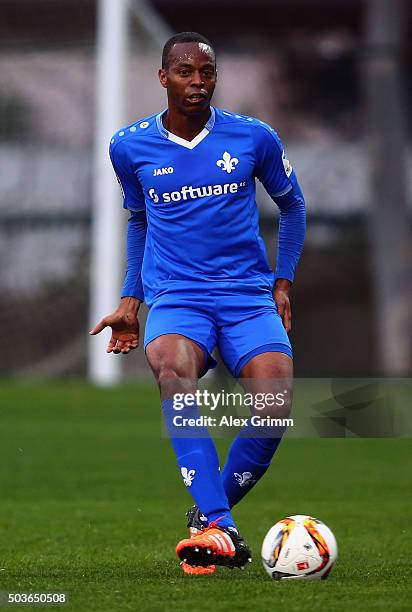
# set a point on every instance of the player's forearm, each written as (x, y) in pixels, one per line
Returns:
(135, 245)
(292, 227)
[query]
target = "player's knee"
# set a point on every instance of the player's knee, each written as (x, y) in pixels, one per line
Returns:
(167, 366)
(173, 358)
(173, 380)
(269, 366)
(173, 377)
(168, 373)
(276, 402)
(272, 397)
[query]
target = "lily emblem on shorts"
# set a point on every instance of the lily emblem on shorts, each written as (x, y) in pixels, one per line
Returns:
(227, 163)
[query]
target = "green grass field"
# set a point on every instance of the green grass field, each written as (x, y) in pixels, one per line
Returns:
(91, 503)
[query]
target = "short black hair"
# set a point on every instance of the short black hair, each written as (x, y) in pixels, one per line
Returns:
(182, 37)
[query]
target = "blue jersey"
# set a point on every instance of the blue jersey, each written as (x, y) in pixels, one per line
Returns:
(199, 198)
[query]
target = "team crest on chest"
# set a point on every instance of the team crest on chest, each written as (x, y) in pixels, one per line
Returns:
(227, 163)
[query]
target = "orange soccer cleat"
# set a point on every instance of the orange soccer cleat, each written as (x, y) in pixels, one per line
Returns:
(196, 523)
(214, 546)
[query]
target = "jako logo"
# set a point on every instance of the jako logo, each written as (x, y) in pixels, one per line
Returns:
(188, 476)
(227, 163)
(161, 171)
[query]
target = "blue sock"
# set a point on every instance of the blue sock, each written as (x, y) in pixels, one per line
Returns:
(249, 457)
(199, 464)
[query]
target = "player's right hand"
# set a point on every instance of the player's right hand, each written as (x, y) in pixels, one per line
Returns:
(125, 328)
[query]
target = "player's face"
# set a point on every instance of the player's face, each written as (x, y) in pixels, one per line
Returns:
(190, 77)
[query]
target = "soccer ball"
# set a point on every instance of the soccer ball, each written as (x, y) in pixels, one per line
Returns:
(299, 547)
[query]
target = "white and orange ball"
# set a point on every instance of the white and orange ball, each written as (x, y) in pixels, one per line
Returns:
(299, 547)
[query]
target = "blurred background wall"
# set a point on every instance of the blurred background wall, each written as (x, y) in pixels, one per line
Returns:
(334, 79)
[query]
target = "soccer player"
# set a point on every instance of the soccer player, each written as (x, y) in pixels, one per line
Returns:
(196, 257)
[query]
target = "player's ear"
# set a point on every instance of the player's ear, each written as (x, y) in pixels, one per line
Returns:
(163, 77)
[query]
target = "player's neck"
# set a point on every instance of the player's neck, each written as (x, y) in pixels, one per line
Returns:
(185, 126)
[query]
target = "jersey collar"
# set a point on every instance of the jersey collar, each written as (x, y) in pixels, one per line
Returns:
(189, 144)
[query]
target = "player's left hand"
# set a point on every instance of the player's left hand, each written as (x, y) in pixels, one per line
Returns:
(281, 297)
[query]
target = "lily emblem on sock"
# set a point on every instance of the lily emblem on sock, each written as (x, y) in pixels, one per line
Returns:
(245, 479)
(188, 476)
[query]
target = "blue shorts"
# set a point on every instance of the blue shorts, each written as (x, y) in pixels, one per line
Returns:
(241, 324)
